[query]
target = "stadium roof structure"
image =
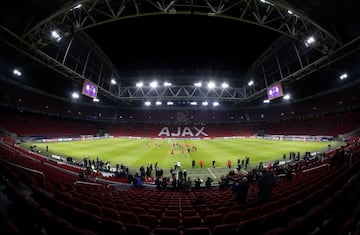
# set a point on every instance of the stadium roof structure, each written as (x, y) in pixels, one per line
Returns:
(306, 45)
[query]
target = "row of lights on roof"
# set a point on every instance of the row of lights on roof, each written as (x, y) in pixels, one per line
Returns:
(210, 85)
(194, 103)
(75, 95)
(155, 84)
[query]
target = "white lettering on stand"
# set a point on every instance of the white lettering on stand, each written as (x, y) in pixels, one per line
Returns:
(186, 131)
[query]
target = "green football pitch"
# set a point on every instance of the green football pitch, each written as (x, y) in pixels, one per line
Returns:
(134, 153)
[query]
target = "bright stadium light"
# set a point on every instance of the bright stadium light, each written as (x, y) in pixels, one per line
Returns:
(75, 95)
(309, 41)
(113, 81)
(153, 84)
(96, 100)
(211, 85)
(170, 103)
(287, 97)
(193, 103)
(147, 103)
(17, 72)
(224, 85)
(76, 7)
(215, 103)
(291, 12)
(55, 35)
(167, 84)
(343, 76)
(266, 101)
(250, 83)
(198, 84)
(205, 103)
(157, 103)
(267, 2)
(139, 84)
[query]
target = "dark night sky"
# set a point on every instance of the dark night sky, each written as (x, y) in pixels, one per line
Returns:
(182, 42)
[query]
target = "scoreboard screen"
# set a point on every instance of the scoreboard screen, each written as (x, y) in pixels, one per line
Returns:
(274, 91)
(89, 89)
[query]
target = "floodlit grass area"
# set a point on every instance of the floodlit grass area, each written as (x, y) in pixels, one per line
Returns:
(137, 152)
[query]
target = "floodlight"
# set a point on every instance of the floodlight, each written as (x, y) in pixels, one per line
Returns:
(17, 72)
(193, 103)
(96, 100)
(147, 103)
(309, 41)
(205, 103)
(224, 85)
(113, 81)
(215, 103)
(267, 2)
(153, 84)
(75, 95)
(76, 7)
(211, 85)
(139, 84)
(343, 76)
(170, 103)
(55, 35)
(290, 12)
(250, 83)
(167, 84)
(266, 101)
(158, 103)
(286, 97)
(198, 84)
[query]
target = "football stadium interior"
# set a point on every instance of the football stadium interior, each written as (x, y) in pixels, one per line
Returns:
(180, 117)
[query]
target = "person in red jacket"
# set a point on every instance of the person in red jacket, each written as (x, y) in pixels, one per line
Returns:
(201, 163)
(229, 164)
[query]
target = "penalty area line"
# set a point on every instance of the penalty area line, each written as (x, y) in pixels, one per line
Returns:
(211, 173)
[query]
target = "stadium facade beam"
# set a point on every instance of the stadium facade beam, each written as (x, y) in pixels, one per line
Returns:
(181, 93)
(272, 15)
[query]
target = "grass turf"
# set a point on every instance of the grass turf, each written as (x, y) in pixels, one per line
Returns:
(137, 152)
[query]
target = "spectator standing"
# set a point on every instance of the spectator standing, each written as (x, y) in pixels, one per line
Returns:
(197, 182)
(241, 188)
(247, 160)
(265, 185)
(208, 182)
(188, 185)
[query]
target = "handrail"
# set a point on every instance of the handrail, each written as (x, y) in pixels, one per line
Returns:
(316, 167)
(88, 183)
